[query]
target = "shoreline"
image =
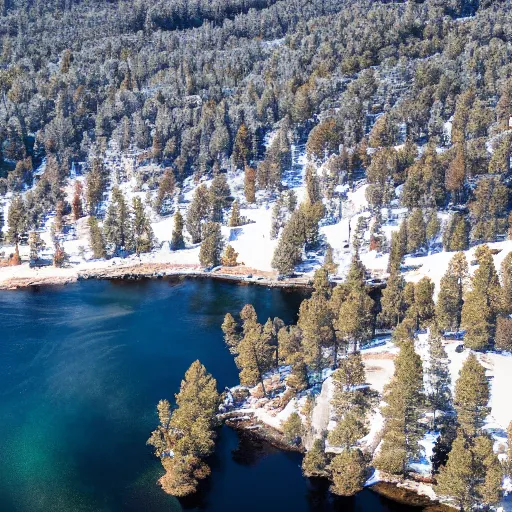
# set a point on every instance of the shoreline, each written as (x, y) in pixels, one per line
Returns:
(23, 277)
(403, 491)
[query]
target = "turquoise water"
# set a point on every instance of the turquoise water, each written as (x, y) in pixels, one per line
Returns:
(81, 370)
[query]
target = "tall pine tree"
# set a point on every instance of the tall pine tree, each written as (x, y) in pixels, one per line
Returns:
(186, 436)
(404, 399)
(117, 225)
(142, 232)
(451, 292)
(482, 303)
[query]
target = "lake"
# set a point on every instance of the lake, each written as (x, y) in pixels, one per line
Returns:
(82, 368)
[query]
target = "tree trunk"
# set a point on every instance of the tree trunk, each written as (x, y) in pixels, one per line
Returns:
(262, 385)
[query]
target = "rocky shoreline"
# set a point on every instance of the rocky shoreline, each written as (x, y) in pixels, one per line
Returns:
(256, 429)
(138, 271)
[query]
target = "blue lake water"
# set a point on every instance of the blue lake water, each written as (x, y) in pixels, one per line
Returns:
(81, 370)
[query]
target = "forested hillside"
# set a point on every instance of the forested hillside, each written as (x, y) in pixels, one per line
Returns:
(143, 96)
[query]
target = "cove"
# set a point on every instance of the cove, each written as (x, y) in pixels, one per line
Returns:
(81, 370)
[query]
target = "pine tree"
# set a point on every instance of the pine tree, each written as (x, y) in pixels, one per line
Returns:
(349, 402)
(250, 185)
(439, 381)
(235, 219)
(471, 396)
(59, 256)
(198, 212)
(409, 304)
(293, 428)
(58, 222)
(348, 430)
(403, 236)
(348, 470)
(241, 147)
(398, 247)
(117, 225)
(302, 108)
(16, 221)
(500, 158)
(392, 302)
(166, 189)
(395, 253)
(358, 236)
(490, 466)
(444, 442)
(478, 321)
(314, 463)
(76, 205)
(357, 273)
(290, 200)
(229, 257)
(157, 146)
(379, 174)
(289, 248)
(382, 133)
(142, 232)
(451, 292)
(482, 303)
(323, 139)
(186, 436)
(506, 282)
(404, 398)
(433, 228)
(347, 379)
(416, 232)
(95, 186)
(329, 264)
(315, 322)
(504, 107)
(424, 307)
(65, 63)
(377, 236)
(289, 344)
(473, 474)
(277, 219)
(404, 332)
(456, 174)
(254, 351)
(36, 244)
(456, 478)
(177, 241)
(488, 209)
(312, 185)
(456, 234)
(211, 246)
(231, 332)
(97, 240)
(298, 378)
(307, 218)
(125, 134)
(355, 319)
(503, 338)
(219, 193)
